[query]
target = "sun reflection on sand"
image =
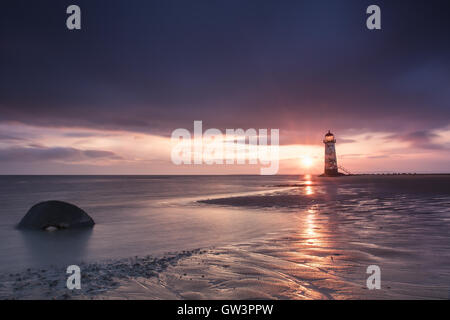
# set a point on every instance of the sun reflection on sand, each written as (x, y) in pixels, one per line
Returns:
(309, 190)
(311, 229)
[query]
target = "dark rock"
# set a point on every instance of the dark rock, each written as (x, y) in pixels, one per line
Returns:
(50, 215)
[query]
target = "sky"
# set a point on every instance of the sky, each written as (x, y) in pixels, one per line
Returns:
(105, 99)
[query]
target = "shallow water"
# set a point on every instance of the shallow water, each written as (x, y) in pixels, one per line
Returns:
(133, 215)
(338, 226)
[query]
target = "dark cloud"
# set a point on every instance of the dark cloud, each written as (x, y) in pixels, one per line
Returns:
(303, 66)
(344, 140)
(82, 134)
(101, 154)
(5, 137)
(31, 154)
(419, 139)
(351, 156)
(36, 145)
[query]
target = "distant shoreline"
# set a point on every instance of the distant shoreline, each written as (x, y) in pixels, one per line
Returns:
(216, 175)
(385, 174)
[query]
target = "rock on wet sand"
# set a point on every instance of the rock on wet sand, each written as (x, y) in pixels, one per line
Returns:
(51, 215)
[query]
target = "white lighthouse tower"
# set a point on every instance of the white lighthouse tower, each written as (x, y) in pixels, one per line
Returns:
(331, 168)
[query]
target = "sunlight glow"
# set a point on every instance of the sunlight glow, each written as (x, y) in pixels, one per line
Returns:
(307, 162)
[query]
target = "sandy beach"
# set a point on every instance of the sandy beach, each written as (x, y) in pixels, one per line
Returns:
(264, 269)
(326, 237)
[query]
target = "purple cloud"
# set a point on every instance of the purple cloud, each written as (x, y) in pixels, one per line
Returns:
(419, 139)
(30, 154)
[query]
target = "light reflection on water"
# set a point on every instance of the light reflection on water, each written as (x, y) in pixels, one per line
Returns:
(309, 190)
(310, 229)
(308, 182)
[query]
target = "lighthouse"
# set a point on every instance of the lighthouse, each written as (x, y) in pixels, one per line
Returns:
(331, 168)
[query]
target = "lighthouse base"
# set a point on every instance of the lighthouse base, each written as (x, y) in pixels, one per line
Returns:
(332, 173)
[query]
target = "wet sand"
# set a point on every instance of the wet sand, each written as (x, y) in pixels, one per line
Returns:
(335, 232)
(302, 265)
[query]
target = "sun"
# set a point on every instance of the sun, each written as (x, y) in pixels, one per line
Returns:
(307, 162)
